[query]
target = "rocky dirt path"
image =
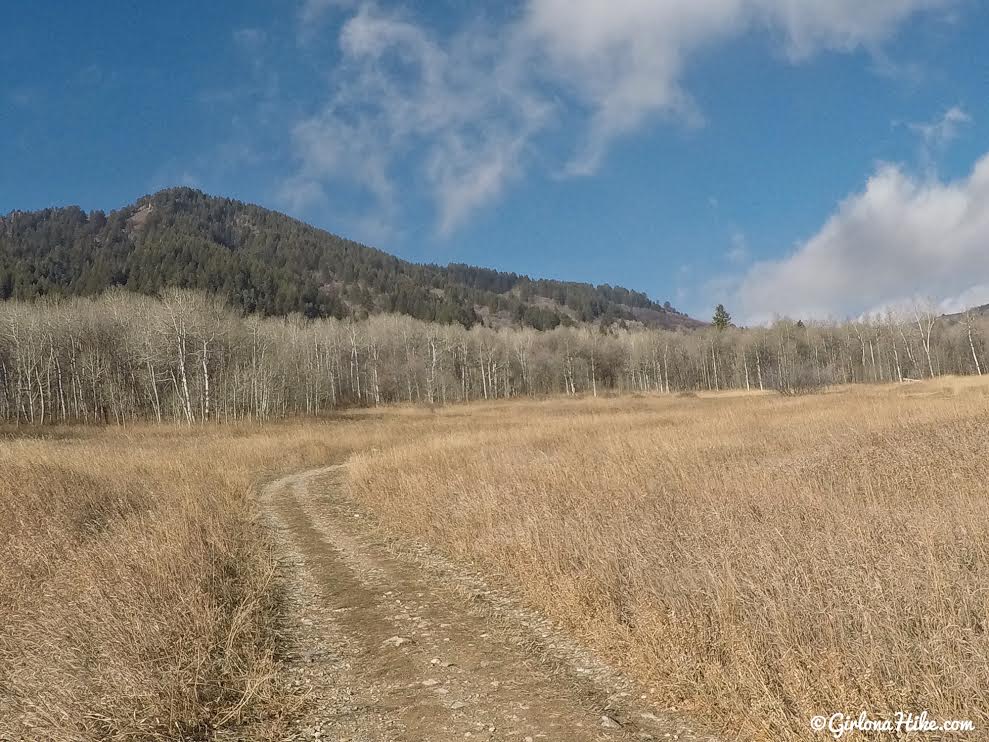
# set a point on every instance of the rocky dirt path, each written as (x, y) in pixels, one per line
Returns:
(391, 642)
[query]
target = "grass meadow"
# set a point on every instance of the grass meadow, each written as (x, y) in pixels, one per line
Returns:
(754, 559)
(136, 595)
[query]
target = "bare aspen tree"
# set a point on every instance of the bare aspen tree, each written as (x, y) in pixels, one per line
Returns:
(926, 318)
(666, 366)
(185, 357)
(433, 362)
(967, 318)
(175, 306)
(891, 324)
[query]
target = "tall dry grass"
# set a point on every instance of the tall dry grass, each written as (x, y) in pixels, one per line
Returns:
(756, 559)
(136, 594)
(753, 558)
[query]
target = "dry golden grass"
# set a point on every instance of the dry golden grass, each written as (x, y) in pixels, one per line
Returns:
(136, 596)
(753, 558)
(756, 559)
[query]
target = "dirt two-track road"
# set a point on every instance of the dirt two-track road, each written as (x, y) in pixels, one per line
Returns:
(391, 642)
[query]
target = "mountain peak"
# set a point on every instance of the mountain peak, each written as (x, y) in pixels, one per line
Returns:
(263, 261)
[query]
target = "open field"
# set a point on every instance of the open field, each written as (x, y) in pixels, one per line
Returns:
(136, 596)
(754, 559)
(750, 559)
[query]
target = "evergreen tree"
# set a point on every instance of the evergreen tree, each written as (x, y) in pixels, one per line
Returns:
(721, 318)
(267, 263)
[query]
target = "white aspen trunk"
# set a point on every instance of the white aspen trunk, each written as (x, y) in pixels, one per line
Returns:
(372, 352)
(594, 383)
(925, 340)
(155, 401)
(183, 378)
(666, 367)
(205, 367)
(906, 346)
(61, 391)
(41, 395)
(480, 363)
(896, 360)
(971, 345)
(355, 365)
(431, 379)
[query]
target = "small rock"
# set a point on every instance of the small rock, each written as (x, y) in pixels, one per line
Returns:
(395, 641)
(608, 723)
(457, 705)
(430, 681)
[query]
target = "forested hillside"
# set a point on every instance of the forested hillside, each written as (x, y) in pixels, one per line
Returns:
(261, 261)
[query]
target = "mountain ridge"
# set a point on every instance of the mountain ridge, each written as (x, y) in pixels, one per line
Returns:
(266, 262)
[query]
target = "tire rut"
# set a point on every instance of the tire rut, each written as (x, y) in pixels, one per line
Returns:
(389, 645)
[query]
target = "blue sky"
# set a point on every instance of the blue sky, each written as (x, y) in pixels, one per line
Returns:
(804, 157)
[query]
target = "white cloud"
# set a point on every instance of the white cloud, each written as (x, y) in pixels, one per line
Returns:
(457, 116)
(838, 25)
(312, 11)
(936, 135)
(944, 130)
(900, 238)
(974, 296)
(462, 114)
(300, 194)
(625, 58)
(465, 179)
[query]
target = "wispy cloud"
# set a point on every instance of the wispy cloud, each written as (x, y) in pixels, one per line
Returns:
(455, 117)
(459, 116)
(312, 12)
(300, 194)
(738, 253)
(936, 135)
(625, 59)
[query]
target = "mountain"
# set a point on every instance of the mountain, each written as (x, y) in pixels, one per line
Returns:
(980, 311)
(266, 262)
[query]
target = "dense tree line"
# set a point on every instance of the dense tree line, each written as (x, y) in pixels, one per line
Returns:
(263, 262)
(188, 357)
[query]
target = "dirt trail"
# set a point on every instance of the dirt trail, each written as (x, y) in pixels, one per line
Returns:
(392, 642)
